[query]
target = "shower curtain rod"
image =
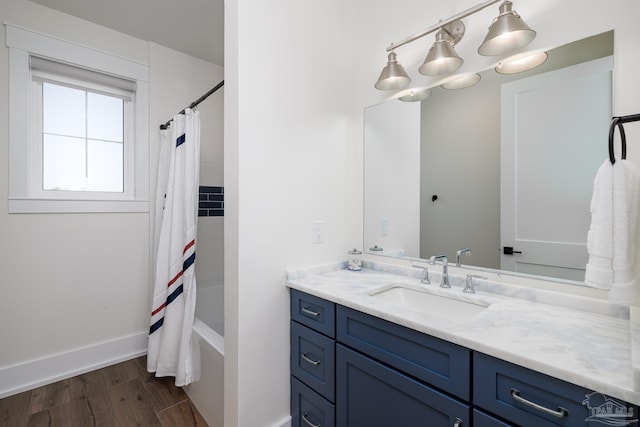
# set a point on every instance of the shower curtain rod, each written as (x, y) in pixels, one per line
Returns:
(194, 103)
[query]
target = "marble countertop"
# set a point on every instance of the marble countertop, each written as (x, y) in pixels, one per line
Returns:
(580, 339)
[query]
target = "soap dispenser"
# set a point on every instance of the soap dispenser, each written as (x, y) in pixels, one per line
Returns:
(354, 260)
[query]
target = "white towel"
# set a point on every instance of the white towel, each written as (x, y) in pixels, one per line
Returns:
(612, 240)
(599, 270)
(626, 265)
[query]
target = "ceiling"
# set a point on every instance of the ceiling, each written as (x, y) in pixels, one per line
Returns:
(195, 27)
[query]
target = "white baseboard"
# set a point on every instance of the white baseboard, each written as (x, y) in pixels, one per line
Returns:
(35, 373)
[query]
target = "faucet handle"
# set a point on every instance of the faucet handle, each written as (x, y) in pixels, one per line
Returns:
(468, 287)
(425, 274)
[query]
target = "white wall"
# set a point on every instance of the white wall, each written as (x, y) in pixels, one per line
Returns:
(289, 155)
(68, 280)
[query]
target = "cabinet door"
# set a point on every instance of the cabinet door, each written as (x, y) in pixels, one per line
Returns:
(374, 395)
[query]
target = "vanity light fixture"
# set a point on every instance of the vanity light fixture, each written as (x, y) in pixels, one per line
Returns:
(521, 62)
(507, 33)
(393, 75)
(416, 95)
(460, 82)
(442, 58)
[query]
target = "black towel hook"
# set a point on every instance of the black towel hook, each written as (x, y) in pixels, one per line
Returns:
(617, 122)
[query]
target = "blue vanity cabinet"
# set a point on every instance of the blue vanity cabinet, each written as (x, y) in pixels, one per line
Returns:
(351, 369)
(312, 361)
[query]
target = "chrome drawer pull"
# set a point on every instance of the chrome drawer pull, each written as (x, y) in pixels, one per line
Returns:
(306, 359)
(309, 423)
(559, 413)
(458, 423)
(310, 312)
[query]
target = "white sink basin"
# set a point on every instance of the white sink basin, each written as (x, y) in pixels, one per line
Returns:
(443, 307)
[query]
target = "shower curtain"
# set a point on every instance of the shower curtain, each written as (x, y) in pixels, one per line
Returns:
(174, 295)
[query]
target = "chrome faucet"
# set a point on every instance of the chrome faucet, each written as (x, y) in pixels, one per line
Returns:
(468, 287)
(444, 282)
(465, 251)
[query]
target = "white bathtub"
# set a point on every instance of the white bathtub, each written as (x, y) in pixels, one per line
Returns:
(207, 394)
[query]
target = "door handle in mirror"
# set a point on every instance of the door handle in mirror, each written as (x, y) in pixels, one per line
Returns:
(508, 250)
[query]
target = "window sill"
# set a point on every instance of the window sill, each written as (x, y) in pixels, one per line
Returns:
(77, 206)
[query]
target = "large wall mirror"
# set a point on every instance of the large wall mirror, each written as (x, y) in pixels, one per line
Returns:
(507, 163)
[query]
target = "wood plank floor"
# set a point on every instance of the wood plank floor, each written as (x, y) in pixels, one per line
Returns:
(120, 395)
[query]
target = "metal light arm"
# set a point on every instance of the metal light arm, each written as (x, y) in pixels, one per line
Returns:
(441, 24)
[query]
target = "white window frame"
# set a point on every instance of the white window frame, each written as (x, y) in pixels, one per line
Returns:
(25, 173)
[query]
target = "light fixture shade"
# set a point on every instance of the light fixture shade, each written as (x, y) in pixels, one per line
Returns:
(461, 82)
(442, 58)
(507, 33)
(393, 75)
(416, 95)
(522, 62)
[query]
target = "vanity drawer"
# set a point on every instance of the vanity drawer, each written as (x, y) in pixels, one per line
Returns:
(440, 363)
(313, 359)
(314, 312)
(308, 408)
(529, 398)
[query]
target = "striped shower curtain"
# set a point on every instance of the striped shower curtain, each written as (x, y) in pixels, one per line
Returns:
(174, 295)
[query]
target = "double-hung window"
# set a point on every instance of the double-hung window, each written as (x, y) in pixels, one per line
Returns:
(78, 137)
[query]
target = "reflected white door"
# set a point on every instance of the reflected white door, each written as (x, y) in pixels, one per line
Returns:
(547, 171)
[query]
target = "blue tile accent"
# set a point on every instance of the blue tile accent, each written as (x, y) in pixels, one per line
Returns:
(211, 201)
(209, 189)
(210, 205)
